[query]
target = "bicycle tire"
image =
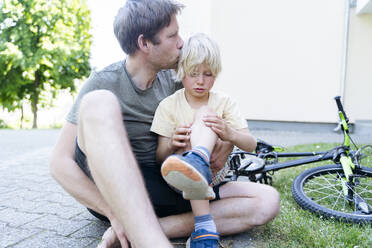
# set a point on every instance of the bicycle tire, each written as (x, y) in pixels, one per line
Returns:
(325, 201)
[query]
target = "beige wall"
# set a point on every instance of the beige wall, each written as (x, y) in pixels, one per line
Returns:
(196, 17)
(358, 89)
(282, 60)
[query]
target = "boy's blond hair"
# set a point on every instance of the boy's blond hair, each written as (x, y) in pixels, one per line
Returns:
(196, 50)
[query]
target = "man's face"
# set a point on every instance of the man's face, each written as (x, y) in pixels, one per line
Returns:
(165, 55)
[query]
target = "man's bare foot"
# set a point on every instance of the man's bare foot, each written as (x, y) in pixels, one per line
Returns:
(110, 240)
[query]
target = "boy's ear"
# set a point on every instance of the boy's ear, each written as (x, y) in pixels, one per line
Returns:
(143, 43)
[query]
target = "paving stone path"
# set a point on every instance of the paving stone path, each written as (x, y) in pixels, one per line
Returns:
(36, 212)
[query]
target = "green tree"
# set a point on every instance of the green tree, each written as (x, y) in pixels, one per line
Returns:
(44, 47)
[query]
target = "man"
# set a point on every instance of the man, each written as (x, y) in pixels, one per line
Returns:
(105, 156)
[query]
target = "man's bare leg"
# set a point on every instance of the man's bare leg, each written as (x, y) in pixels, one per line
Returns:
(243, 205)
(103, 138)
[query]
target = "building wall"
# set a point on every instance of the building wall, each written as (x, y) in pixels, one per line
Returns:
(282, 60)
(358, 88)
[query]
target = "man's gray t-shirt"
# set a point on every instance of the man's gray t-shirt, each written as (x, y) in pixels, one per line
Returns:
(137, 106)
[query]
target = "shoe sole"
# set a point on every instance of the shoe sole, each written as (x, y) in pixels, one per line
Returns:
(188, 243)
(187, 179)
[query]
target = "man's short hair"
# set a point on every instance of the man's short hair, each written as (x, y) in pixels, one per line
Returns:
(196, 50)
(146, 17)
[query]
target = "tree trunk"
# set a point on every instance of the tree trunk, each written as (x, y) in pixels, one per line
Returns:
(35, 99)
(22, 115)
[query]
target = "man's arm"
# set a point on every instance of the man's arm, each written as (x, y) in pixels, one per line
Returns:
(220, 153)
(164, 149)
(65, 170)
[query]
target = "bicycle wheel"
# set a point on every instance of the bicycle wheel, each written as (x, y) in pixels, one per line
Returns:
(365, 156)
(319, 190)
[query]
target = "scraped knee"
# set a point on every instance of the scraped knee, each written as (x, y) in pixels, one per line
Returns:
(202, 111)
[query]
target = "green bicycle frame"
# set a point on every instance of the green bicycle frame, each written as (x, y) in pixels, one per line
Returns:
(345, 128)
(347, 164)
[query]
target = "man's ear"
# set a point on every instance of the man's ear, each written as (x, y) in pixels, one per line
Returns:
(143, 43)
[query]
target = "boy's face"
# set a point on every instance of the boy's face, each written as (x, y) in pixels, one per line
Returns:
(165, 55)
(199, 82)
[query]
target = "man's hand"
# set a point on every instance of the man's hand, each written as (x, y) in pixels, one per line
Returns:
(180, 138)
(110, 240)
(114, 236)
(219, 155)
(219, 126)
(120, 232)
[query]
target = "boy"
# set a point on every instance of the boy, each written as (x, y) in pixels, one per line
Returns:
(213, 115)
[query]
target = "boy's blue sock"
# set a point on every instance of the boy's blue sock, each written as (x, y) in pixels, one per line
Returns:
(205, 222)
(202, 151)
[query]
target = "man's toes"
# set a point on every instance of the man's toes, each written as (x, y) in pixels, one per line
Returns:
(109, 239)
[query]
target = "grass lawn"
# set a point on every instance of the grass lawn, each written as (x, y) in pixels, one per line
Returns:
(295, 227)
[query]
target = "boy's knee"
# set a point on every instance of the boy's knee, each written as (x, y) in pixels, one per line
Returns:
(204, 110)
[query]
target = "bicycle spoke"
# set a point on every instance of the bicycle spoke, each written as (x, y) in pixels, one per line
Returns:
(323, 177)
(328, 196)
(327, 181)
(321, 199)
(313, 195)
(365, 188)
(325, 187)
(330, 186)
(333, 207)
(357, 194)
(365, 192)
(344, 207)
(317, 190)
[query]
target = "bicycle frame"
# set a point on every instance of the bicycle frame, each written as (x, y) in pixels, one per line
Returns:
(310, 157)
(342, 156)
(338, 155)
(313, 157)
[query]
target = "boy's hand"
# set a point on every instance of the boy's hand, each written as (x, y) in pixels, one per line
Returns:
(219, 126)
(181, 138)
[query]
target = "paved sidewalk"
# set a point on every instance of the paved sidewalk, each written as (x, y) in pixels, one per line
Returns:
(36, 212)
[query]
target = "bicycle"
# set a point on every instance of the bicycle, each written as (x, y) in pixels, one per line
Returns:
(342, 190)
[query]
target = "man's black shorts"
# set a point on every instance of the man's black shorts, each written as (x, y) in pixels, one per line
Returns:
(165, 200)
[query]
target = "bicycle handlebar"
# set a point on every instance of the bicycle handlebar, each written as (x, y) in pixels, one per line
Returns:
(340, 107)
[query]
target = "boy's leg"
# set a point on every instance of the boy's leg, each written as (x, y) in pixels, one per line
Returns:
(103, 139)
(205, 232)
(200, 207)
(190, 172)
(202, 216)
(202, 135)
